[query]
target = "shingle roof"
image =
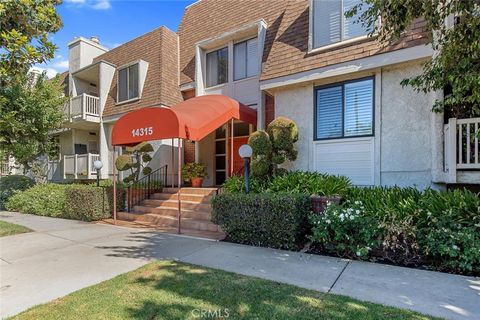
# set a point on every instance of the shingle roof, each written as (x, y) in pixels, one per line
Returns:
(160, 49)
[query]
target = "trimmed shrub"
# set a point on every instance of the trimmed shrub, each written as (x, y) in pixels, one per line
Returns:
(312, 183)
(90, 203)
(71, 201)
(437, 229)
(41, 199)
(275, 220)
(11, 184)
(236, 184)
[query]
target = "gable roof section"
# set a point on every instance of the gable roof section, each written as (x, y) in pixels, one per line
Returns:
(160, 49)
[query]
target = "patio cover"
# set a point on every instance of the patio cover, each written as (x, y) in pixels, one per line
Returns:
(192, 119)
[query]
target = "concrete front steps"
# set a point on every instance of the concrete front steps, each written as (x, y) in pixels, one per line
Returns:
(161, 210)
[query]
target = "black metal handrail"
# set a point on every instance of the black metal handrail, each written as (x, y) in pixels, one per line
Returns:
(145, 187)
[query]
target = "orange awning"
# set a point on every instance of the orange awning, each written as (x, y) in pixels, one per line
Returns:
(192, 119)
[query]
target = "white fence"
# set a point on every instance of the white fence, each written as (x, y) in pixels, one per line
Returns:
(80, 166)
(461, 138)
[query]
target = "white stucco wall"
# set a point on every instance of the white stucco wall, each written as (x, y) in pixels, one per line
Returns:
(406, 137)
(404, 142)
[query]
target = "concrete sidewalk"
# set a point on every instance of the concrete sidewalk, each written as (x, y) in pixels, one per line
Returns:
(62, 256)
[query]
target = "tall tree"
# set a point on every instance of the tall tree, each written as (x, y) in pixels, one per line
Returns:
(30, 107)
(29, 111)
(455, 68)
(24, 29)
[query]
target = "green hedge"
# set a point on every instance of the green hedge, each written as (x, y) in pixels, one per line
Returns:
(404, 226)
(72, 201)
(88, 203)
(11, 184)
(41, 199)
(275, 220)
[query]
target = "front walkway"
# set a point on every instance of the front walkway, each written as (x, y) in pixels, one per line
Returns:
(63, 256)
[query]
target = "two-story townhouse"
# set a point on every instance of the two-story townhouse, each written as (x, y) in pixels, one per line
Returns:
(300, 59)
(305, 60)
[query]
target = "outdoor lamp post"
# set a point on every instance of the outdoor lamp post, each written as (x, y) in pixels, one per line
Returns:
(98, 165)
(245, 152)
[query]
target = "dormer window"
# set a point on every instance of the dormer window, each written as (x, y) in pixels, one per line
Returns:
(128, 84)
(217, 67)
(329, 24)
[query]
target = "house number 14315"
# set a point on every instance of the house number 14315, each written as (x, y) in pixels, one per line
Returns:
(140, 132)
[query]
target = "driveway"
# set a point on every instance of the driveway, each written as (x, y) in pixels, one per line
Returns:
(62, 256)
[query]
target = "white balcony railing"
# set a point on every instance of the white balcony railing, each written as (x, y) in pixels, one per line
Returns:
(84, 106)
(80, 166)
(461, 146)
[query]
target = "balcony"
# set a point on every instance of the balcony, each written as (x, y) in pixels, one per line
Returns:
(80, 166)
(461, 147)
(83, 107)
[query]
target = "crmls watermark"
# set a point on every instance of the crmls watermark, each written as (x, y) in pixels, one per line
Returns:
(209, 313)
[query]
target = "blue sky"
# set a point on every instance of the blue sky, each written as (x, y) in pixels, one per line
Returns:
(113, 21)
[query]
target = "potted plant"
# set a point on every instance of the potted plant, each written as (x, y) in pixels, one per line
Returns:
(194, 172)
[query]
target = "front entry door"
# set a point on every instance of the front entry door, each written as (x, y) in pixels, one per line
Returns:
(238, 163)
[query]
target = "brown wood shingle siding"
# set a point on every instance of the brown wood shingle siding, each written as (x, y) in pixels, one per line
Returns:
(286, 45)
(160, 49)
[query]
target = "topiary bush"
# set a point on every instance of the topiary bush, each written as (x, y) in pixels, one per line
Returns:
(273, 147)
(141, 154)
(11, 184)
(275, 220)
(41, 199)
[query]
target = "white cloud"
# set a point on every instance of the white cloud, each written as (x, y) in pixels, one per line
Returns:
(93, 4)
(62, 64)
(102, 5)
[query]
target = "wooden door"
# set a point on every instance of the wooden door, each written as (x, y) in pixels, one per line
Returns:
(238, 162)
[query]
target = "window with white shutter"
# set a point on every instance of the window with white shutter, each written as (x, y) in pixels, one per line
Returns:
(245, 59)
(344, 109)
(329, 24)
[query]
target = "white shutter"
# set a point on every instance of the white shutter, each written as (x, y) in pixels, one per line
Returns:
(239, 60)
(122, 85)
(252, 58)
(329, 112)
(327, 22)
(359, 108)
(133, 81)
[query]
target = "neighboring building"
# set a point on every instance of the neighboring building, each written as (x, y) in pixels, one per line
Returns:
(299, 59)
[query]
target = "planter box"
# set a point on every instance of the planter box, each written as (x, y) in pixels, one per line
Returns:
(319, 203)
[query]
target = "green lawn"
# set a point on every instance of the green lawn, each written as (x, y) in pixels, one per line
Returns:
(170, 290)
(8, 229)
